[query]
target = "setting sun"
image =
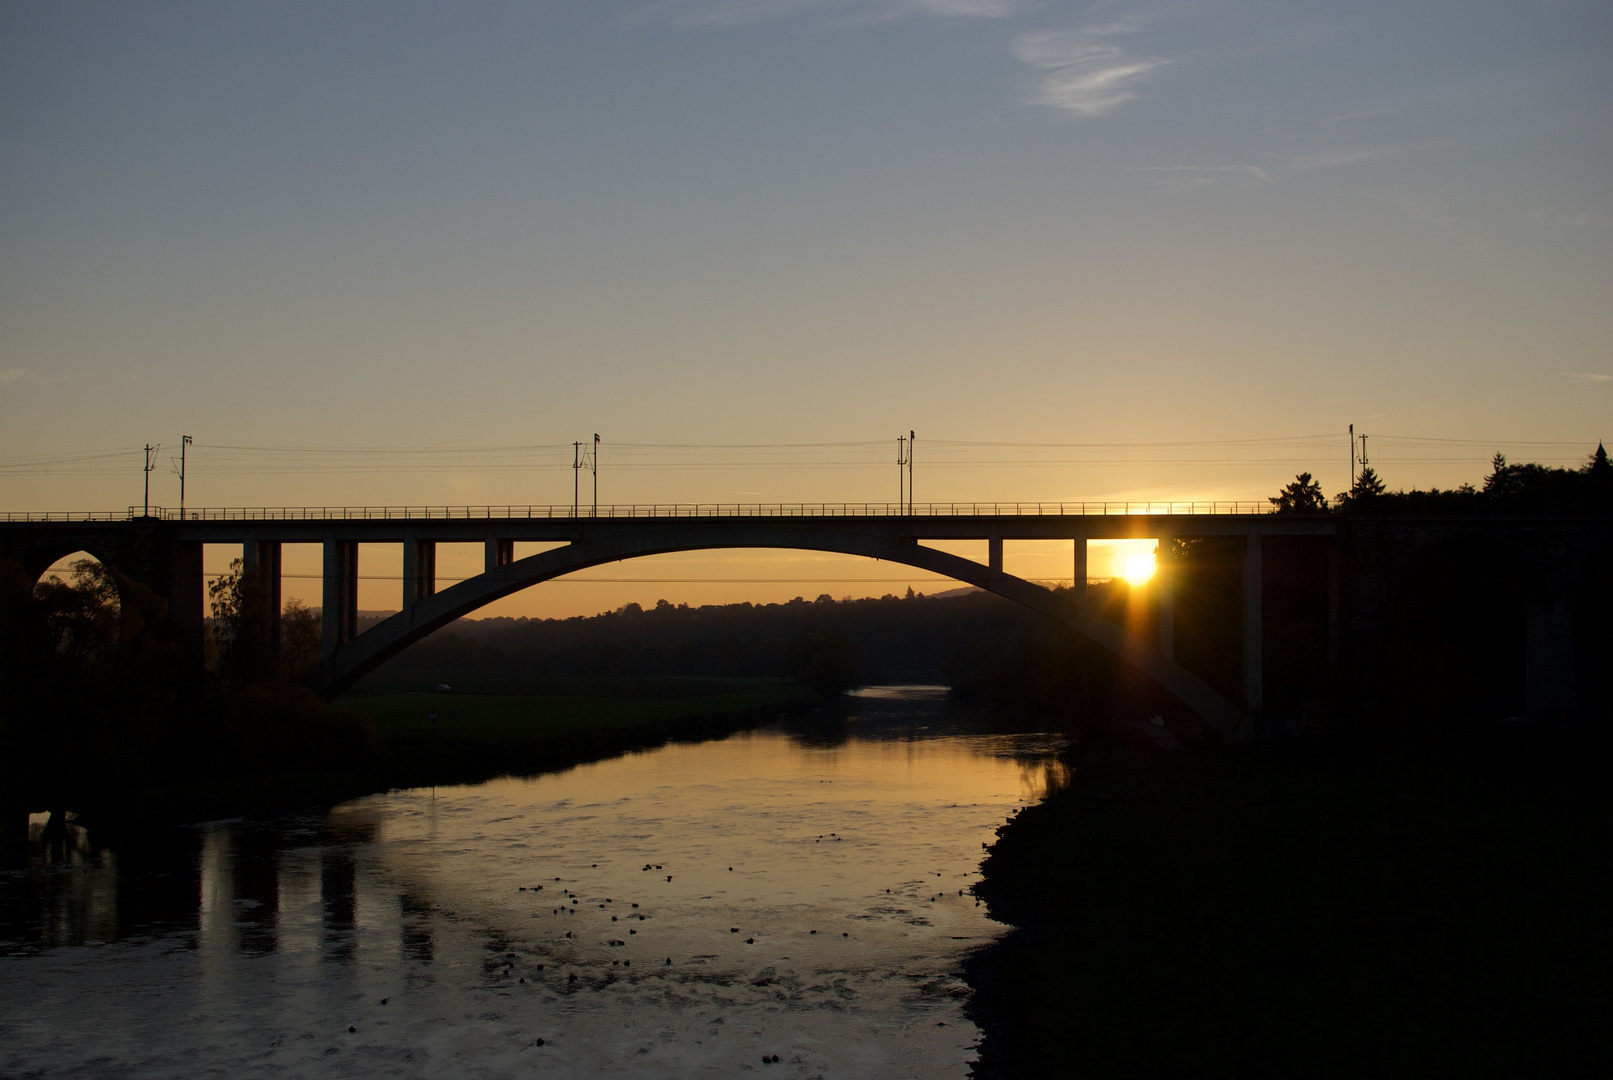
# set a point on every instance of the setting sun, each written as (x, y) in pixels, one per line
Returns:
(1139, 568)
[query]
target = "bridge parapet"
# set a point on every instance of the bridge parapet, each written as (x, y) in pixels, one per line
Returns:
(536, 512)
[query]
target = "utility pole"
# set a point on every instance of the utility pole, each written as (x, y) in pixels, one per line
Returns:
(184, 441)
(149, 451)
(596, 474)
(901, 474)
(1352, 457)
(912, 452)
(576, 475)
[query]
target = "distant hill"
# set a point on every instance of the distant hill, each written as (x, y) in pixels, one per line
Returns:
(892, 639)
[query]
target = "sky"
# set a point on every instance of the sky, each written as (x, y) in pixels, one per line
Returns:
(398, 253)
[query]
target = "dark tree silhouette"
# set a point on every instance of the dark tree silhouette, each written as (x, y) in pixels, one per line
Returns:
(822, 658)
(88, 685)
(1303, 496)
(1367, 488)
(300, 632)
(242, 620)
(1598, 469)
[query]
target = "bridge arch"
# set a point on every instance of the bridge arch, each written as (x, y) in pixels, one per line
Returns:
(368, 650)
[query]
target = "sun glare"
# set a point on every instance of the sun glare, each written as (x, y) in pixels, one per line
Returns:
(1139, 568)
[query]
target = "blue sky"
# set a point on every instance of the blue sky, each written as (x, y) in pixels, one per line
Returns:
(737, 221)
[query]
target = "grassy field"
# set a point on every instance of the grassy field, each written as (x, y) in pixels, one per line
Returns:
(1306, 912)
(476, 736)
(482, 734)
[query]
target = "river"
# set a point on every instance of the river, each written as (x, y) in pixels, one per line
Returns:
(794, 899)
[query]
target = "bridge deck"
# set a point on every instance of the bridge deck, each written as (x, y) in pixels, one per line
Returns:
(927, 521)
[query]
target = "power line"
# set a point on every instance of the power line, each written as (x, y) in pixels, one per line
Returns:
(228, 459)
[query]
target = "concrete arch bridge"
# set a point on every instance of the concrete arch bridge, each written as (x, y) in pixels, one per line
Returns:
(164, 552)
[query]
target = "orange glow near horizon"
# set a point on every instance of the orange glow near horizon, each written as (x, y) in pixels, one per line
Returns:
(719, 576)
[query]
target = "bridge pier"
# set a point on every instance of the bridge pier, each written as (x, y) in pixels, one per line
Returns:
(1335, 601)
(261, 561)
(1164, 595)
(1253, 627)
(419, 570)
(1550, 684)
(500, 552)
(994, 554)
(340, 614)
(187, 594)
(1078, 579)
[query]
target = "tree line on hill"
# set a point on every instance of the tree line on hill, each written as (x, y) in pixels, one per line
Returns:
(1509, 489)
(828, 645)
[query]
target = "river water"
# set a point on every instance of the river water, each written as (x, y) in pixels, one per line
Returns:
(799, 892)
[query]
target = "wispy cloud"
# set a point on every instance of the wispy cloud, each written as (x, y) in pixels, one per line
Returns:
(1194, 176)
(720, 14)
(1085, 74)
(1332, 159)
(14, 374)
(1275, 169)
(972, 9)
(1591, 376)
(1563, 219)
(1370, 112)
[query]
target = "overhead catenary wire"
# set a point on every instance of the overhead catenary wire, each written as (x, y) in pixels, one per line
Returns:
(1298, 451)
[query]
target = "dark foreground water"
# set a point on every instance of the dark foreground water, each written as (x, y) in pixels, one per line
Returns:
(799, 892)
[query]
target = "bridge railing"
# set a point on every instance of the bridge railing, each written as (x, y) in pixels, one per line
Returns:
(66, 515)
(653, 510)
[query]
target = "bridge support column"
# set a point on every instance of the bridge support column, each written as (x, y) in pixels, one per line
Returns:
(340, 614)
(261, 560)
(1164, 592)
(1335, 596)
(187, 593)
(1549, 682)
(419, 570)
(1078, 576)
(1253, 626)
(994, 554)
(499, 553)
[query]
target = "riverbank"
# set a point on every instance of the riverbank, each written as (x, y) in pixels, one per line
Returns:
(1305, 910)
(476, 737)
